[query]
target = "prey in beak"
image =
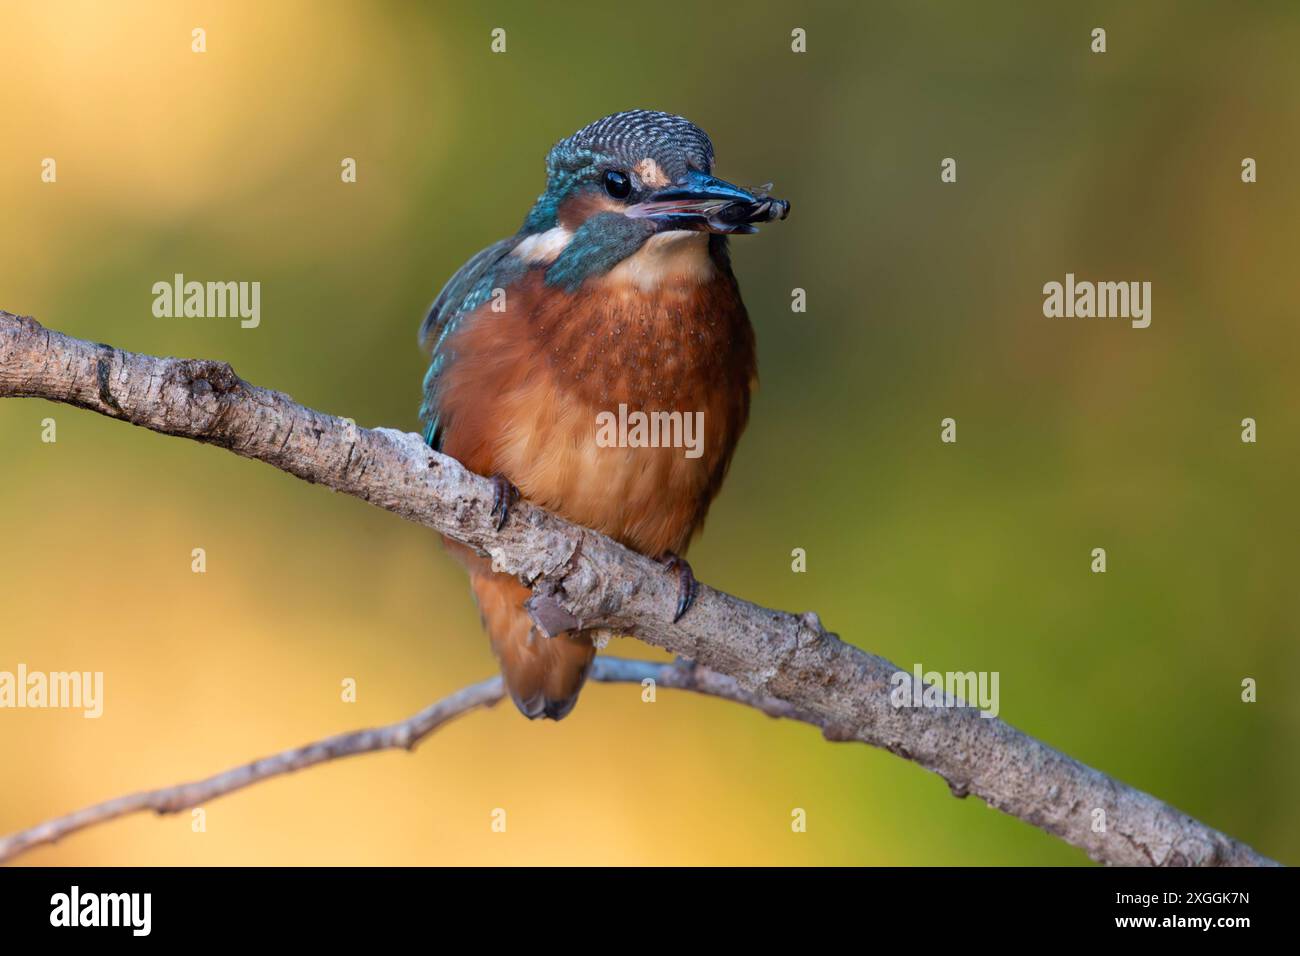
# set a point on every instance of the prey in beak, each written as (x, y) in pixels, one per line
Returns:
(704, 203)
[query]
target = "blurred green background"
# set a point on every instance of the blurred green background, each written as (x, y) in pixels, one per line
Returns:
(924, 301)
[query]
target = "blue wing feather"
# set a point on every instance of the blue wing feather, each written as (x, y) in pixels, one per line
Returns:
(464, 292)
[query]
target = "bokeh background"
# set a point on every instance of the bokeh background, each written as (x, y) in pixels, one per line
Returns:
(924, 301)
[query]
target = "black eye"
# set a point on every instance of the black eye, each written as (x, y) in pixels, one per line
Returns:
(617, 184)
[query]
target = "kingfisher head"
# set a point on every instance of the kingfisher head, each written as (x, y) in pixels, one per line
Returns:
(626, 179)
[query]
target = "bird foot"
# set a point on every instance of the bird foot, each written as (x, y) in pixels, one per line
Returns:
(687, 587)
(504, 497)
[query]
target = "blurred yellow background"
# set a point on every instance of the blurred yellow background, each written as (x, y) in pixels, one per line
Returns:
(924, 301)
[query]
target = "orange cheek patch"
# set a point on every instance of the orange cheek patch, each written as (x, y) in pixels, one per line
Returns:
(576, 210)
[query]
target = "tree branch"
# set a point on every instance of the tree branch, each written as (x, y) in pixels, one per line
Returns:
(403, 735)
(786, 660)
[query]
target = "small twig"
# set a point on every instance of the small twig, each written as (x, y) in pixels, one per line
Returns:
(403, 735)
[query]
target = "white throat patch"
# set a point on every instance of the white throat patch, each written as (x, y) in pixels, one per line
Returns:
(676, 258)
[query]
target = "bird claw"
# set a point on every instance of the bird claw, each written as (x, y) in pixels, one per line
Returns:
(504, 496)
(687, 587)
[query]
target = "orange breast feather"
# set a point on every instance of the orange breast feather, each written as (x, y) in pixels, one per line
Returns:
(524, 390)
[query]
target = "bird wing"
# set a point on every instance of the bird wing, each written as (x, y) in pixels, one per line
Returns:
(464, 292)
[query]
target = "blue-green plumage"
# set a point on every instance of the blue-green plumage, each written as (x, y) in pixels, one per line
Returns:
(601, 243)
(468, 289)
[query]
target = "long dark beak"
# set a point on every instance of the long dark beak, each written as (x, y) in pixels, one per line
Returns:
(703, 203)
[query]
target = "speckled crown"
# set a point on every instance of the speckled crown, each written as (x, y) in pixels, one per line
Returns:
(673, 142)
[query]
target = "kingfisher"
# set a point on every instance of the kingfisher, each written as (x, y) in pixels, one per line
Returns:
(615, 297)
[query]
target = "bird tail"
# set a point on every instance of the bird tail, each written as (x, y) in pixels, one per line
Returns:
(543, 674)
